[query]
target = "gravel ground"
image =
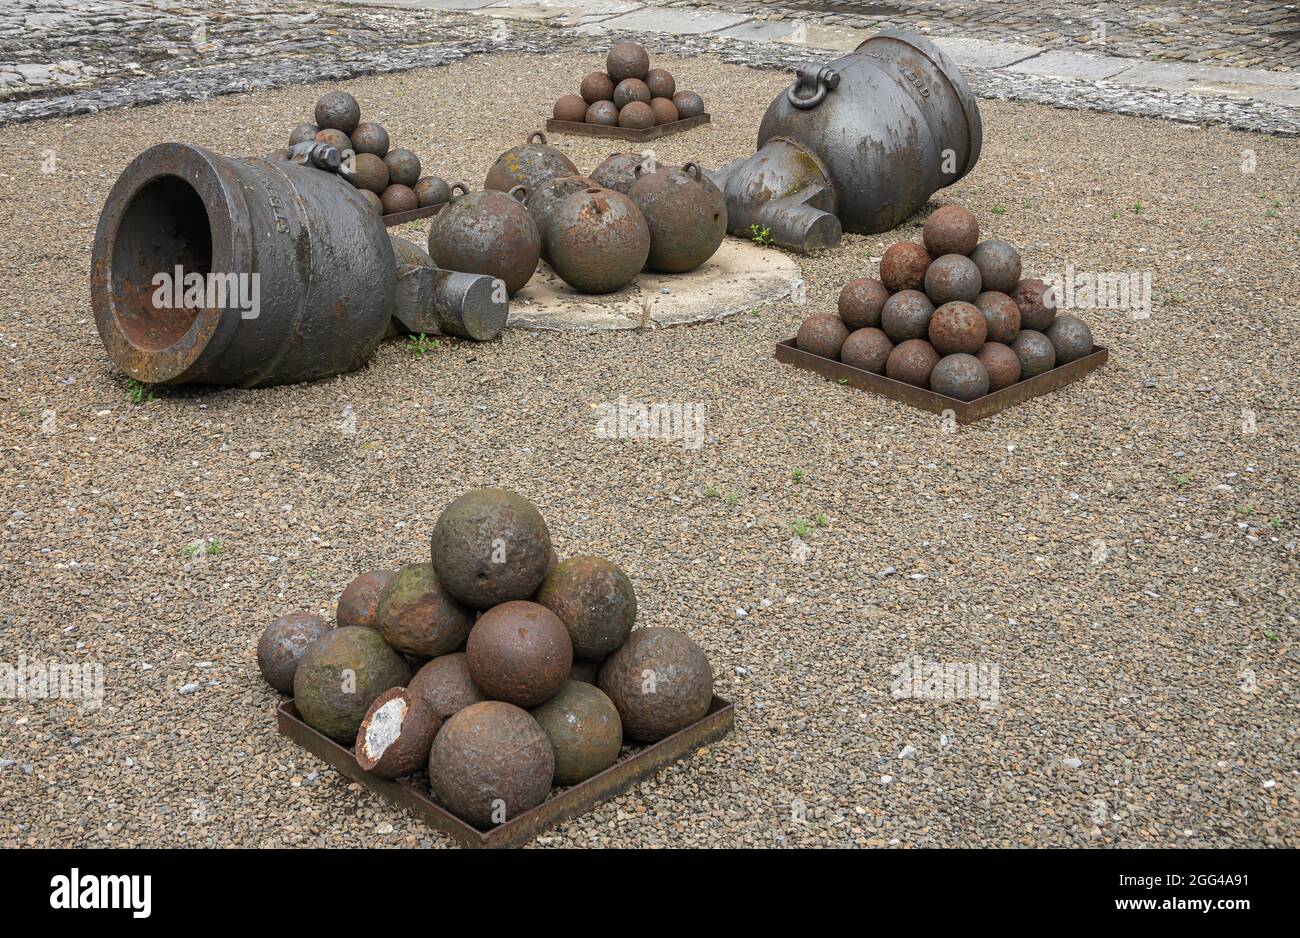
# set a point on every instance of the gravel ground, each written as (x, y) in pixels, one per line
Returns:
(1121, 550)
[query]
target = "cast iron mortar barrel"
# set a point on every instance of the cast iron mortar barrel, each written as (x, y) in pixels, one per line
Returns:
(322, 262)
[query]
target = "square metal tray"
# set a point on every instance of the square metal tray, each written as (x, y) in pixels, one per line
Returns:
(569, 803)
(624, 133)
(925, 399)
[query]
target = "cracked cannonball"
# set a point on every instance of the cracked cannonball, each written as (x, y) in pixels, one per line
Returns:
(595, 601)
(957, 327)
(661, 83)
(861, 301)
(399, 198)
(1001, 363)
(688, 104)
(596, 86)
(445, 684)
(1035, 351)
(626, 60)
(396, 734)
(520, 652)
(491, 762)
(1037, 303)
(302, 133)
(283, 644)
(665, 111)
(602, 112)
(417, 615)
(999, 265)
(637, 115)
(660, 681)
(338, 110)
(903, 266)
(339, 677)
(369, 172)
(950, 230)
(911, 362)
(961, 376)
(431, 190)
(629, 90)
(334, 138)
(822, 334)
(403, 167)
(952, 277)
(359, 603)
(1071, 338)
(570, 107)
(585, 731)
(490, 546)
(867, 349)
(370, 137)
(1001, 315)
(906, 315)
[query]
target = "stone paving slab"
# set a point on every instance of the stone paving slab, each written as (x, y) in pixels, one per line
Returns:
(1057, 64)
(1234, 82)
(837, 38)
(982, 53)
(755, 31)
(680, 22)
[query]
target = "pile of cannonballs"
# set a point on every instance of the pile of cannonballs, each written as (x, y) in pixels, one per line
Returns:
(497, 667)
(951, 314)
(629, 93)
(389, 179)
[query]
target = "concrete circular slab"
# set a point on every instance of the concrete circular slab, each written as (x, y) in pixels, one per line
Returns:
(740, 276)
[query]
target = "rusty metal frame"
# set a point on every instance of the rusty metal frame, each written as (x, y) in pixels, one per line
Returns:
(932, 401)
(568, 803)
(401, 218)
(624, 133)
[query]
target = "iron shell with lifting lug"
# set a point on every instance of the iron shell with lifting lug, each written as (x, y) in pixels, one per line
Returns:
(686, 215)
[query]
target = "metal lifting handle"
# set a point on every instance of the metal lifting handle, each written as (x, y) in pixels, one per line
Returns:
(812, 85)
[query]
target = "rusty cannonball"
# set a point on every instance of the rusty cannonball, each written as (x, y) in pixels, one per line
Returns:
(418, 617)
(911, 362)
(957, 327)
(596, 86)
(961, 376)
(597, 240)
(950, 230)
(618, 171)
(445, 684)
(370, 172)
(584, 729)
(626, 60)
(570, 107)
(431, 190)
(339, 677)
(867, 348)
(686, 213)
(660, 681)
(370, 137)
(282, 645)
(629, 90)
(375, 203)
(822, 334)
(520, 652)
(906, 315)
(903, 266)
(1035, 351)
(661, 83)
(302, 133)
(487, 232)
(602, 112)
(688, 104)
(403, 167)
(952, 277)
(398, 198)
(491, 762)
(999, 265)
(594, 599)
(861, 301)
(1071, 338)
(530, 165)
(1001, 363)
(1037, 303)
(490, 546)
(335, 138)
(636, 115)
(543, 201)
(338, 110)
(396, 734)
(359, 603)
(665, 111)
(1001, 315)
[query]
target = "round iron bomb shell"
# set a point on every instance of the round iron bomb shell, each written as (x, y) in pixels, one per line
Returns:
(403, 167)
(543, 202)
(868, 349)
(370, 137)
(596, 86)
(637, 115)
(661, 83)
(602, 112)
(685, 212)
(627, 60)
(629, 90)
(445, 684)
(396, 734)
(339, 677)
(520, 652)
(1035, 351)
(431, 190)
(359, 604)
(417, 615)
(1001, 363)
(1001, 315)
(952, 277)
(491, 762)
(585, 731)
(903, 266)
(957, 327)
(822, 334)
(664, 110)
(490, 546)
(370, 172)
(618, 171)
(597, 240)
(596, 602)
(489, 233)
(399, 198)
(302, 133)
(570, 107)
(1037, 303)
(335, 138)
(282, 645)
(861, 301)
(660, 681)
(999, 265)
(688, 104)
(950, 230)
(338, 110)
(529, 165)
(1071, 338)
(912, 362)
(906, 315)
(960, 375)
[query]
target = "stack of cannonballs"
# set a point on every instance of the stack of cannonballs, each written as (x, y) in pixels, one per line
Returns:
(629, 93)
(951, 315)
(497, 667)
(389, 179)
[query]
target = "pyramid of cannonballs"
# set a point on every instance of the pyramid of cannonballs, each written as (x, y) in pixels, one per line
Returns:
(629, 93)
(951, 314)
